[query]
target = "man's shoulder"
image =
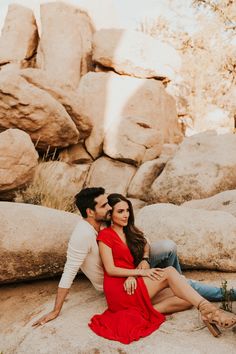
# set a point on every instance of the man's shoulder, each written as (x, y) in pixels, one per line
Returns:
(83, 226)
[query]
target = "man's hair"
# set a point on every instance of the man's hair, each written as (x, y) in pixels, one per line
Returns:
(86, 199)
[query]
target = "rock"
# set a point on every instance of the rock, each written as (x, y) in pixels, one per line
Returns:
(18, 160)
(69, 178)
(23, 304)
(137, 204)
(19, 39)
(33, 241)
(224, 201)
(65, 47)
(114, 176)
(212, 118)
(68, 98)
(203, 166)
(27, 107)
(75, 154)
(135, 53)
(205, 239)
(134, 123)
(143, 179)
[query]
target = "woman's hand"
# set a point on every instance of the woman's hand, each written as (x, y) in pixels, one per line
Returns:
(153, 273)
(130, 285)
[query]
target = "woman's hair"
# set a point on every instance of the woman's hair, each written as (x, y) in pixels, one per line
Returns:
(134, 237)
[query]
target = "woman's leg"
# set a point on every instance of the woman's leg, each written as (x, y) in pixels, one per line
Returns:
(166, 302)
(178, 285)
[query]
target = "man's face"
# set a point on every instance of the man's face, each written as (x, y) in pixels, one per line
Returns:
(102, 210)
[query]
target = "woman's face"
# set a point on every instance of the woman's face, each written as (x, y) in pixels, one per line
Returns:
(120, 214)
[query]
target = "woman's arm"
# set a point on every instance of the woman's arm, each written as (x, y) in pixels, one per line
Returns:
(112, 270)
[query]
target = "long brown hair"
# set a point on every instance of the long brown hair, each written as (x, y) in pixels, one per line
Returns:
(134, 237)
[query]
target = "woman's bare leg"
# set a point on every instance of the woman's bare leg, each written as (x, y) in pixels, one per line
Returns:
(166, 302)
(177, 283)
(172, 304)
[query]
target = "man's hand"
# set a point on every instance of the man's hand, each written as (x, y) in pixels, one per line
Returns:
(46, 318)
(130, 285)
(143, 265)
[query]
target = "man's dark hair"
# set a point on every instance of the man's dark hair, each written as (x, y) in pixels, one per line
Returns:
(86, 199)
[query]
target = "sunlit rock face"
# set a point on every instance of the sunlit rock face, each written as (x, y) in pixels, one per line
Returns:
(203, 166)
(131, 117)
(135, 53)
(65, 47)
(205, 239)
(18, 160)
(19, 38)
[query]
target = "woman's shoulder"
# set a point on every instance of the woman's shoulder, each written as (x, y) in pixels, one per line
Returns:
(105, 231)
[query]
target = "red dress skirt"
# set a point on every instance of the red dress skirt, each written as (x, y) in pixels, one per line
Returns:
(128, 317)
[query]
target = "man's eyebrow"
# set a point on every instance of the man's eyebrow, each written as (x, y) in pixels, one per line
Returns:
(104, 204)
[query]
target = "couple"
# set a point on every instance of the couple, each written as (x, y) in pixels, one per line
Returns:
(137, 295)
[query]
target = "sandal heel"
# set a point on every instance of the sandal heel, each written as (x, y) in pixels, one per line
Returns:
(212, 328)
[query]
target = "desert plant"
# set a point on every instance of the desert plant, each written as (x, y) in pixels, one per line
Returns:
(227, 296)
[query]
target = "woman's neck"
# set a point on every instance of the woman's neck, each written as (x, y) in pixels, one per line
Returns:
(118, 229)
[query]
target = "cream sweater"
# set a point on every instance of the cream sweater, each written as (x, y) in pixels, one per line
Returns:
(83, 253)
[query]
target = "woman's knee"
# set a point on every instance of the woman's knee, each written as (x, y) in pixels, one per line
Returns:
(170, 271)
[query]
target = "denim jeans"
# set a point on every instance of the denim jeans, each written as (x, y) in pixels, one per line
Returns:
(164, 253)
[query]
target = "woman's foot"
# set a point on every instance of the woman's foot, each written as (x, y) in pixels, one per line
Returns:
(213, 315)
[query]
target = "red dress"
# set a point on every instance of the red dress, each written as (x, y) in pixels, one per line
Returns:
(128, 317)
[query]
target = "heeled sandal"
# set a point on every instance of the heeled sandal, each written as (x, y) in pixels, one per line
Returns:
(213, 316)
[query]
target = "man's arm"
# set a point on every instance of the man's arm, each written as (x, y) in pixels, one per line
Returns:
(77, 251)
(144, 264)
(60, 298)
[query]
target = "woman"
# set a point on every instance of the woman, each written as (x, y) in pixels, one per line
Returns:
(136, 313)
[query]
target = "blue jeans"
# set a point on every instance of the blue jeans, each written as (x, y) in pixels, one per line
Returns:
(164, 253)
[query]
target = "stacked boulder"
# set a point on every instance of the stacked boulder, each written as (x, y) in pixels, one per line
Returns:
(97, 97)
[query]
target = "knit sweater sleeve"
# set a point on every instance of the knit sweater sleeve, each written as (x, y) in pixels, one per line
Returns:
(78, 248)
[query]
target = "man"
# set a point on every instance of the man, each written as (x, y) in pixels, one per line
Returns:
(83, 252)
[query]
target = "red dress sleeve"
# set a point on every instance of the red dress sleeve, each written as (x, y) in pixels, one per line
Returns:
(106, 237)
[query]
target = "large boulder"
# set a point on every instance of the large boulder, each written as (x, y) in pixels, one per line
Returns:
(224, 201)
(18, 160)
(131, 117)
(205, 239)
(33, 241)
(67, 97)
(75, 154)
(203, 166)
(27, 107)
(19, 39)
(143, 179)
(114, 176)
(135, 53)
(65, 48)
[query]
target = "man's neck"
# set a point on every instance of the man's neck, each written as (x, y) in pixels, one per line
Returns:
(95, 224)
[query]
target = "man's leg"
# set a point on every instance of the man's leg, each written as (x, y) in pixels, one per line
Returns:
(164, 254)
(210, 292)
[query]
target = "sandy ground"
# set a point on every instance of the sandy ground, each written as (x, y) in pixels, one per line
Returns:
(21, 303)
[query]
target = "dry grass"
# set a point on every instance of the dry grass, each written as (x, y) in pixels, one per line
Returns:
(45, 191)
